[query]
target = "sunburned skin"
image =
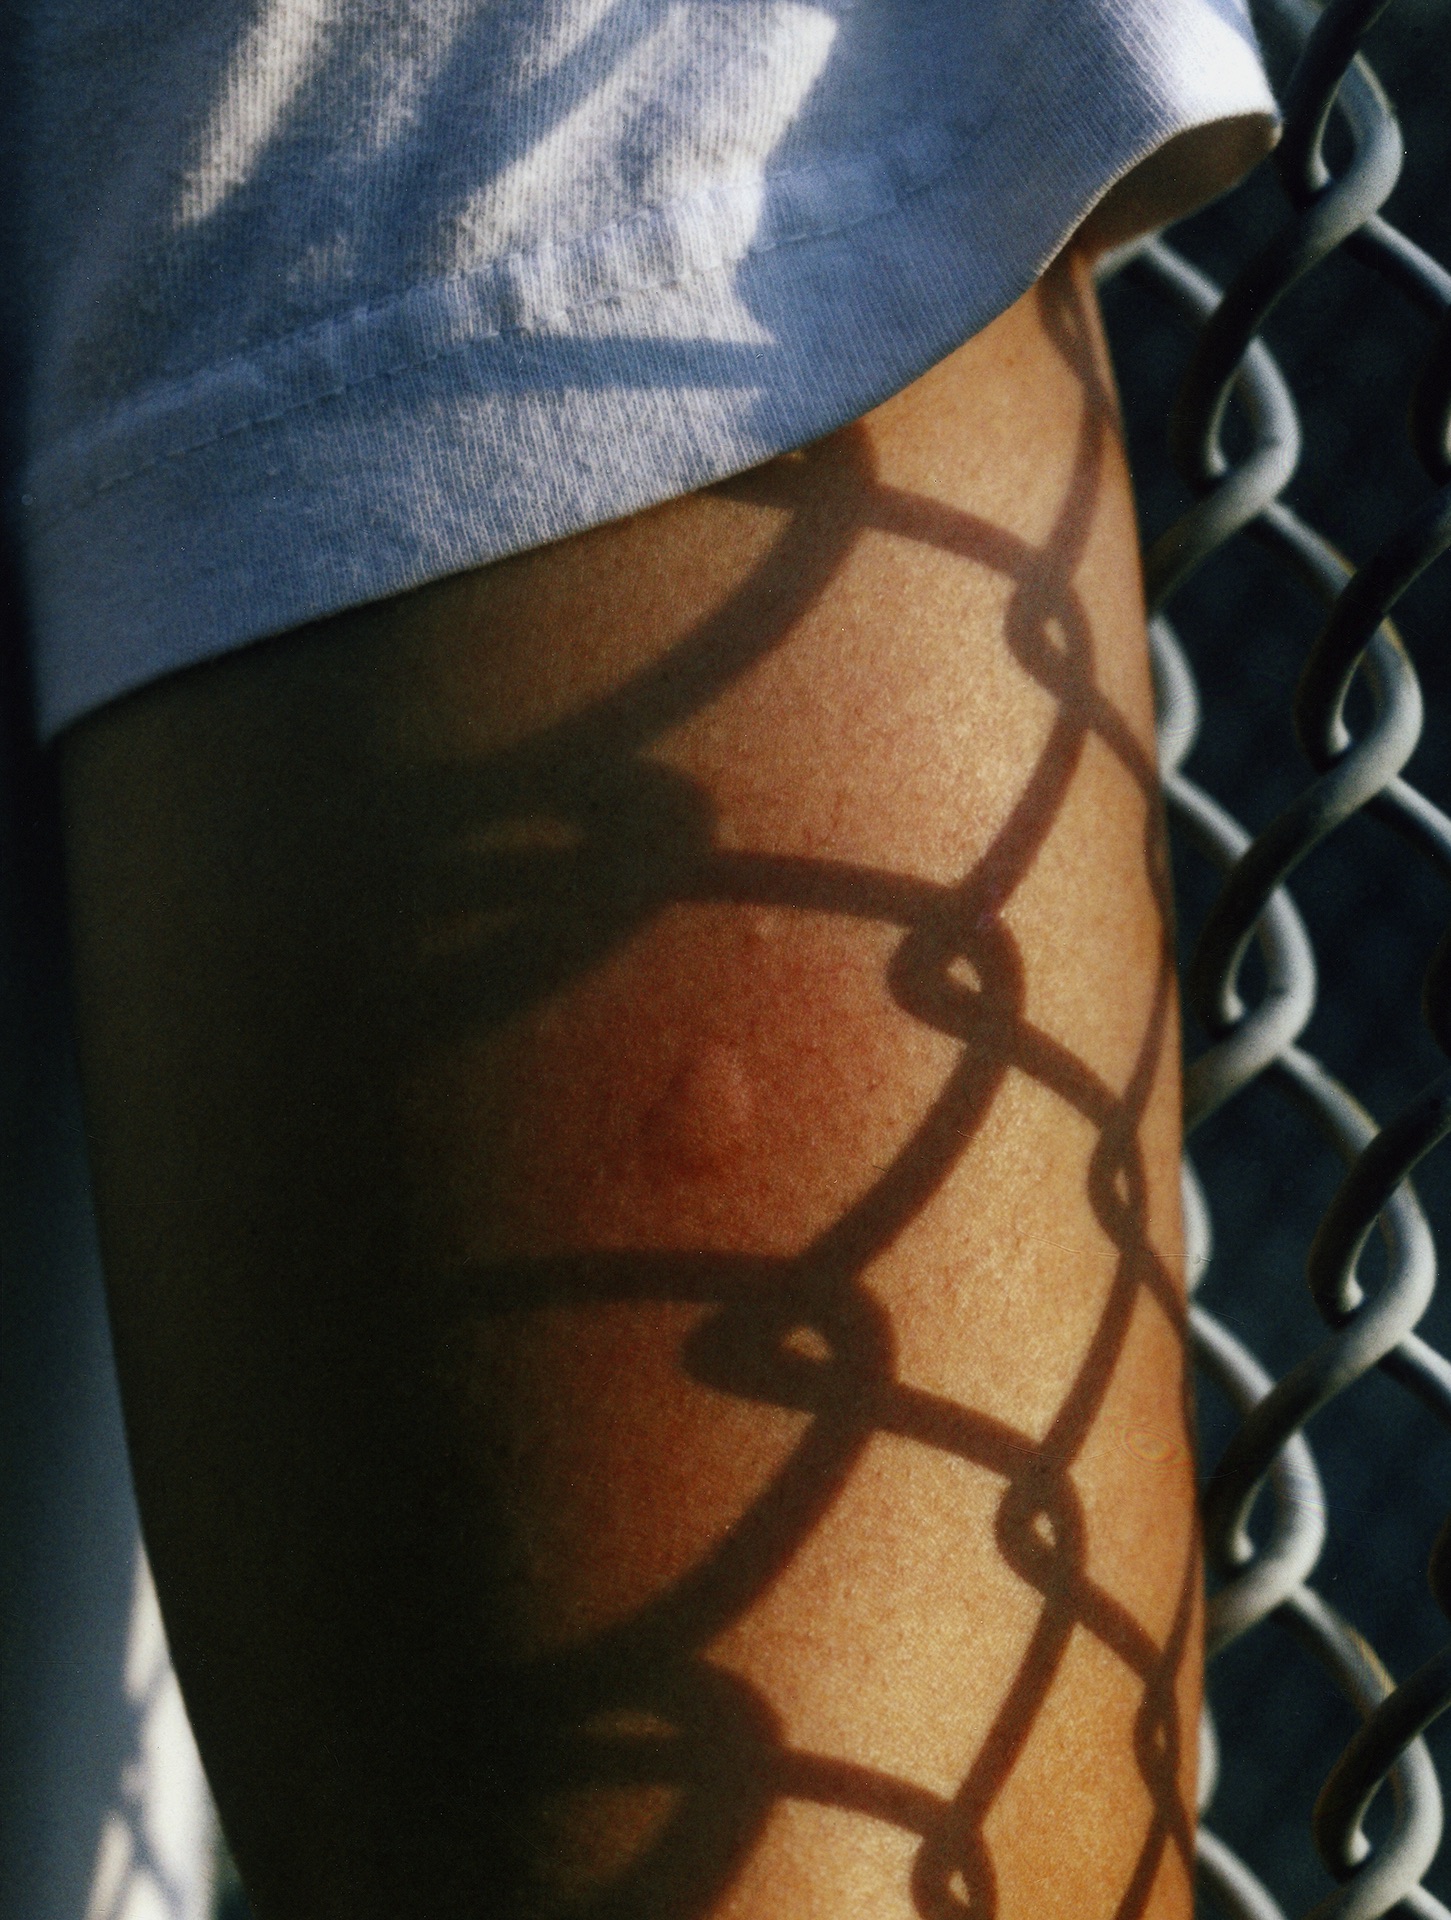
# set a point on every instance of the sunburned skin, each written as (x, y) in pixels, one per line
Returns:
(634, 1097)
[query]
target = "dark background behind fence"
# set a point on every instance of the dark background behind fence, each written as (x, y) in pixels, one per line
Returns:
(1350, 347)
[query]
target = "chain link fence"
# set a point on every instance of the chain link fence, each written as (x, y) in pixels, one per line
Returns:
(1297, 515)
(1286, 629)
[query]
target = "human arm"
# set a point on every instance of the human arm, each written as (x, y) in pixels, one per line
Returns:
(633, 1100)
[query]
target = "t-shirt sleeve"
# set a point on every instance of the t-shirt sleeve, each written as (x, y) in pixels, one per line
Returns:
(325, 301)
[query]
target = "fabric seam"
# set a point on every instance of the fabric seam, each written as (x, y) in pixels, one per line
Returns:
(483, 339)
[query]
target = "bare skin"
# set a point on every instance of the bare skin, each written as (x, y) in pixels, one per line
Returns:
(634, 1106)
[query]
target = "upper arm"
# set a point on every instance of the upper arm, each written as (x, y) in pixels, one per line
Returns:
(633, 1097)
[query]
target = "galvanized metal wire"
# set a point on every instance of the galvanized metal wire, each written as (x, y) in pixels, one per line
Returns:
(1264, 1503)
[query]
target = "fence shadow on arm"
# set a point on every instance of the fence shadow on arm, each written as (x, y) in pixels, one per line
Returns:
(557, 852)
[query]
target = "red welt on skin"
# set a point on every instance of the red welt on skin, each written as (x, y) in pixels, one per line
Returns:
(703, 1120)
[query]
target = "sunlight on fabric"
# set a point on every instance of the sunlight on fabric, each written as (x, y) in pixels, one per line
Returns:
(273, 62)
(154, 1860)
(705, 183)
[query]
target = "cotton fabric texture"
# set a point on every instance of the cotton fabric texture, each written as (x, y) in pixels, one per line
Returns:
(323, 299)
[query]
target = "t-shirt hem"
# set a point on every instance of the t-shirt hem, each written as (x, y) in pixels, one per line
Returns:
(472, 419)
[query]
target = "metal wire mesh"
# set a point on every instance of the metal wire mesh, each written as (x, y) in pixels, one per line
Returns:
(1266, 1515)
(1265, 1511)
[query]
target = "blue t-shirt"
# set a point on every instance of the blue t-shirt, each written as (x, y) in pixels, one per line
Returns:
(320, 300)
